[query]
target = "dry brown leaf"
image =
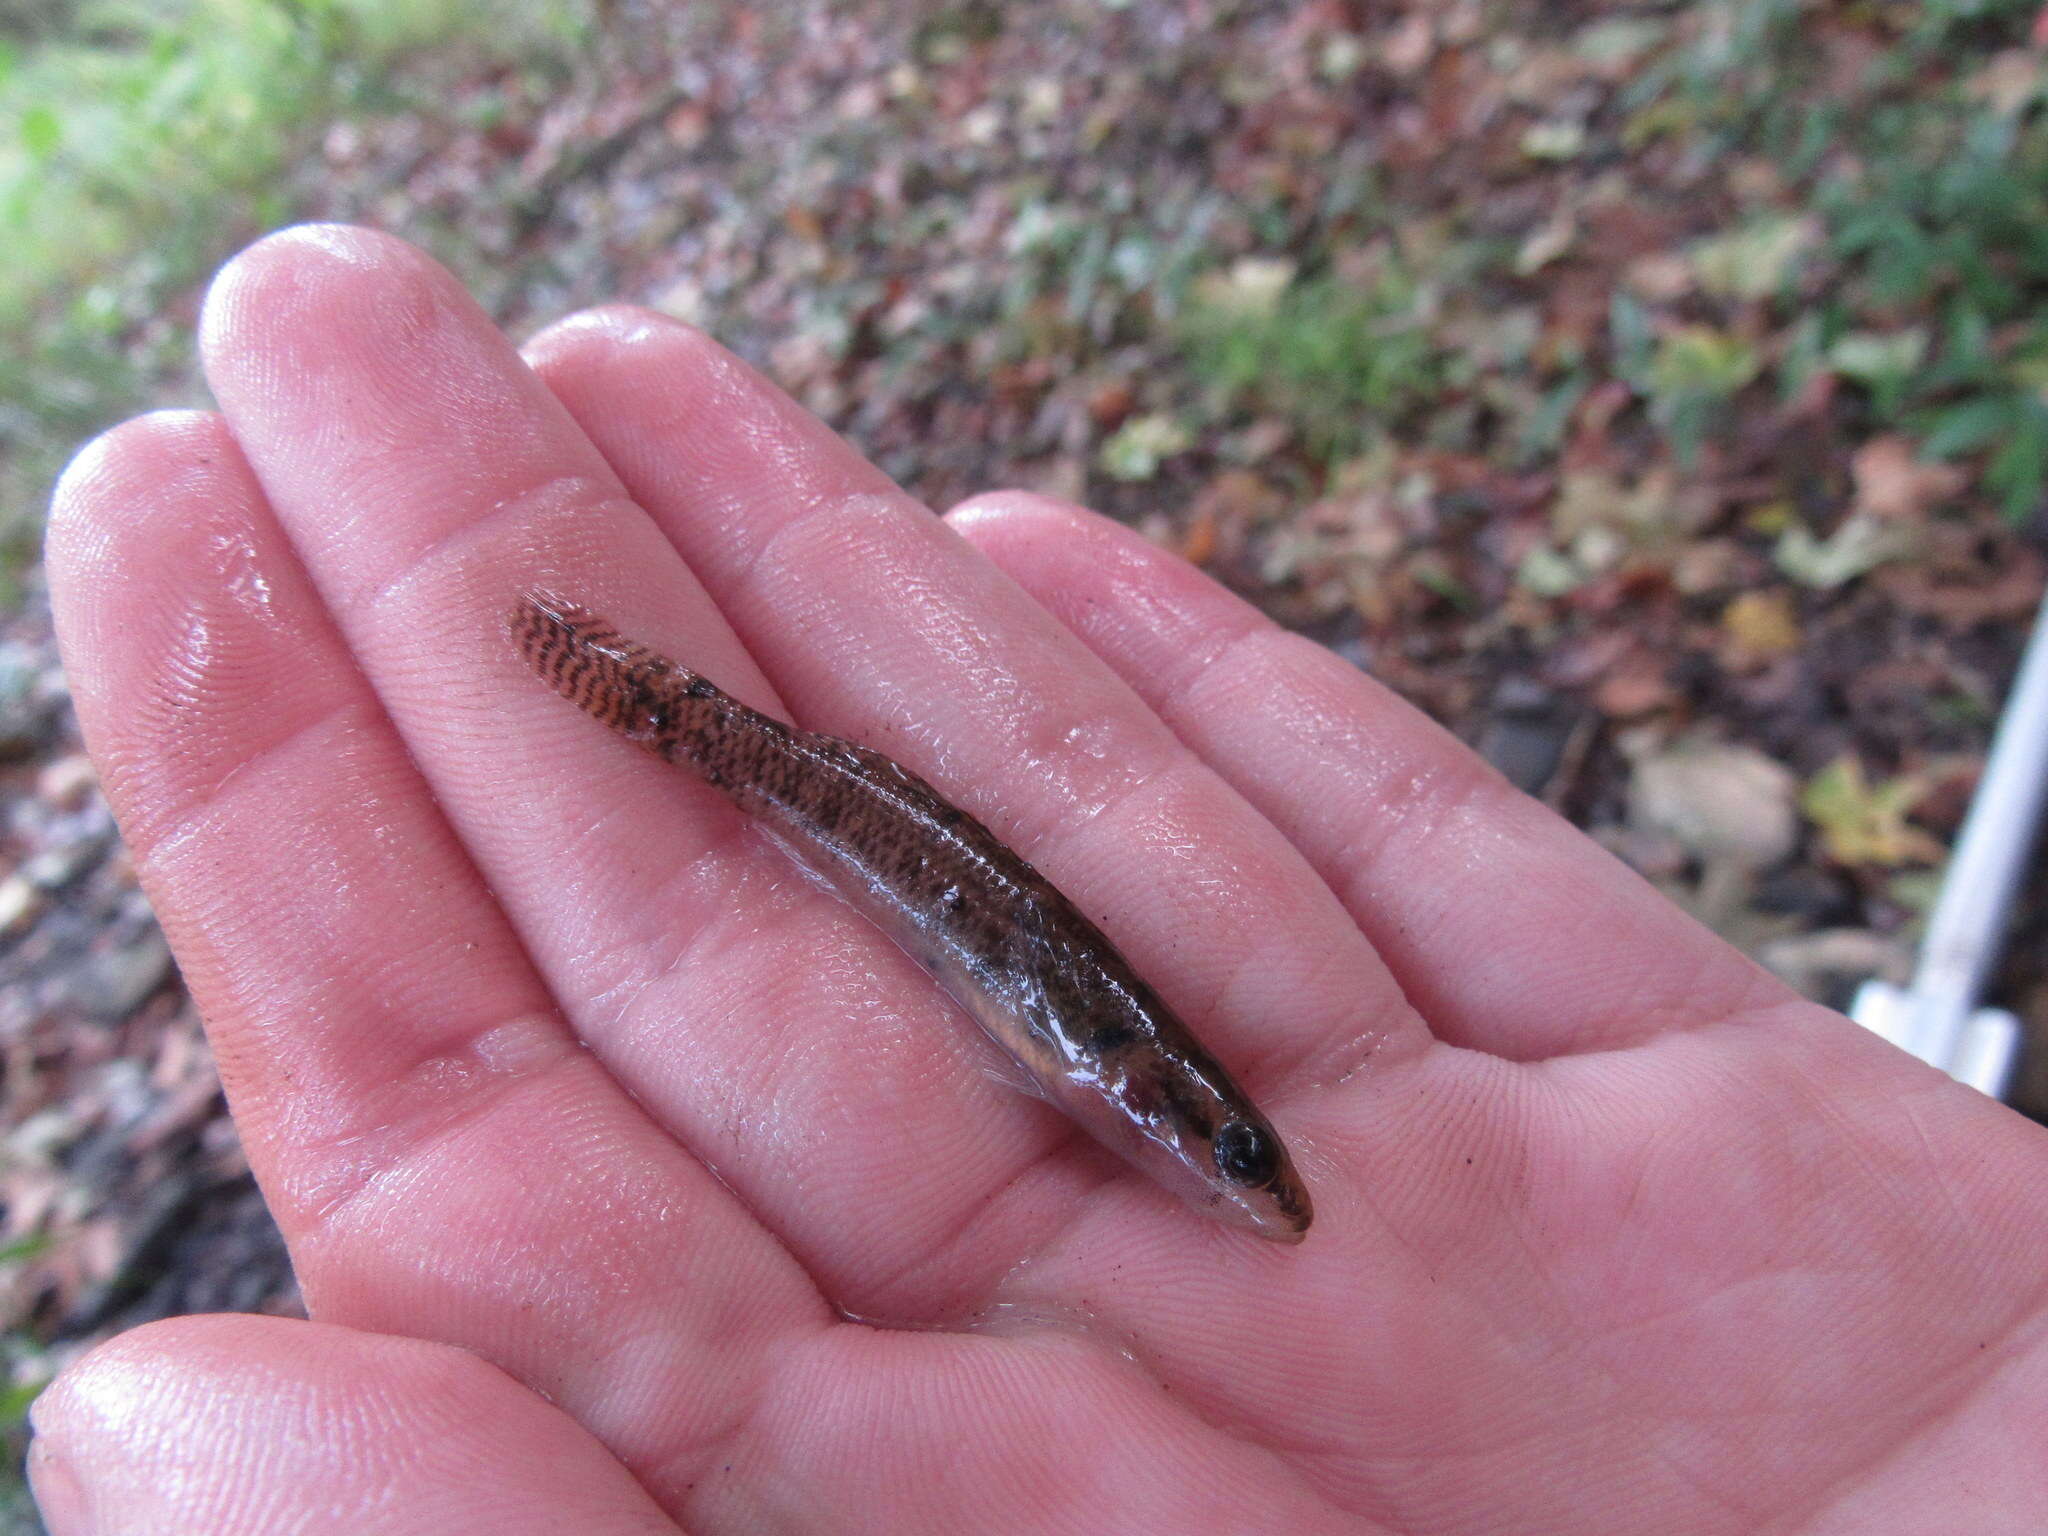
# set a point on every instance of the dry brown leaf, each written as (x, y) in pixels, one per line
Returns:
(1637, 685)
(1408, 45)
(1892, 483)
(1660, 277)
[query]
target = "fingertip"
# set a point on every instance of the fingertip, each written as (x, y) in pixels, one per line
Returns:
(235, 1422)
(1016, 511)
(283, 269)
(681, 417)
(103, 1400)
(598, 357)
(599, 333)
(1038, 538)
(297, 324)
(115, 502)
(133, 456)
(1100, 578)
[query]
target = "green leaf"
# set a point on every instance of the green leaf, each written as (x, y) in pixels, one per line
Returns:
(1619, 39)
(1861, 823)
(2018, 472)
(1547, 573)
(1883, 362)
(1966, 427)
(1632, 336)
(1804, 356)
(15, 1400)
(1562, 139)
(41, 132)
(1870, 357)
(1757, 261)
(1141, 445)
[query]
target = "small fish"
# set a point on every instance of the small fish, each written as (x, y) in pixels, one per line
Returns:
(1036, 974)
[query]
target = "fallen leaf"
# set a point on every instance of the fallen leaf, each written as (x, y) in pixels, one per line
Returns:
(1548, 573)
(1879, 359)
(1557, 140)
(1639, 684)
(1758, 627)
(2005, 586)
(1227, 506)
(2009, 82)
(1407, 46)
(1862, 823)
(1860, 545)
(1615, 45)
(1723, 802)
(1249, 287)
(1660, 277)
(1141, 445)
(1111, 403)
(1757, 261)
(1548, 242)
(1706, 565)
(1589, 499)
(1891, 482)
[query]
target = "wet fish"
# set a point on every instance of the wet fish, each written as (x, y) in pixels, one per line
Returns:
(1034, 972)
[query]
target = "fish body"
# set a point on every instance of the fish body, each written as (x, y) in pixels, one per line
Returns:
(1039, 977)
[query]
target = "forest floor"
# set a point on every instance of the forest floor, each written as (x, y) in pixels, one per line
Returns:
(1656, 394)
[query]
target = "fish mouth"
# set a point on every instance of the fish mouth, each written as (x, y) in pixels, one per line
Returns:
(1280, 1213)
(1290, 1227)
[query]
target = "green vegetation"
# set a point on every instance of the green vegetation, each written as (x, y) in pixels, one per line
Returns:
(141, 143)
(23, 1374)
(1343, 357)
(1871, 187)
(1928, 168)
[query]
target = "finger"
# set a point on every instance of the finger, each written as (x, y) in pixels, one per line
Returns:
(1508, 929)
(233, 1426)
(876, 623)
(443, 1159)
(427, 479)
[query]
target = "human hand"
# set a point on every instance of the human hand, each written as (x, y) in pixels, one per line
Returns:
(542, 1054)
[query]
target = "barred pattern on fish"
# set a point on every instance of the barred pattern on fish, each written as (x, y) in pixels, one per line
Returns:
(1039, 977)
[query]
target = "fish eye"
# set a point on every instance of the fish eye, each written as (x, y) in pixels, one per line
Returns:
(1246, 1155)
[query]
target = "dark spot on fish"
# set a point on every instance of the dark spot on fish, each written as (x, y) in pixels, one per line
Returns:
(1192, 1110)
(1107, 1039)
(1246, 1155)
(652, 713)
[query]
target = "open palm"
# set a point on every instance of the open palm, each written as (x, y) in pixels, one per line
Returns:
(542, 1052)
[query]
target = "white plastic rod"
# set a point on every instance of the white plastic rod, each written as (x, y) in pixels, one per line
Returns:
(1967, 927)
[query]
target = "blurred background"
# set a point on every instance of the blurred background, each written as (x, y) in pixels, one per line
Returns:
(1656, 393)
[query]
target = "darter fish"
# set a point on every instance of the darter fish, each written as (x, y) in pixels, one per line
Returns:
(1031, 969)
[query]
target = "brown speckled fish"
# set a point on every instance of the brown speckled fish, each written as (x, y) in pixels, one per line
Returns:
(1036, 974)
